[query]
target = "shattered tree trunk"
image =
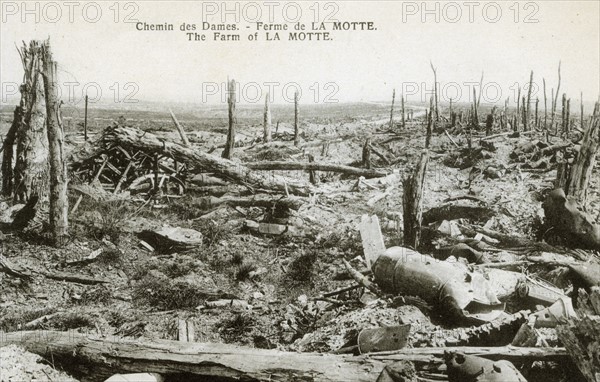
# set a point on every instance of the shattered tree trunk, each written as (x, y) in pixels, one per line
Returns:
(581, 171)
(267, 121)
(30, 175)
(392, 109)
(403, 115)
(239, 173)
(435, 92)
(366, 154)
(475, 115)
(8, 152)
(412, 202)
(59, 203)
(528, 104)
(296, 127)
(229, 145)
(180, 130)
(316, 166)
(94, 360)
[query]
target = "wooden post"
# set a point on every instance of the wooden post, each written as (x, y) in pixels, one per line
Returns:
(564, 112)
(267, 121)
(412, 202)
(366, 154)
(296, 127)
(156, 180)
(59, 203)
(85, 120)
(528, 105)
(228, 152)
(403, 115)
(435, 91)
(182, 134)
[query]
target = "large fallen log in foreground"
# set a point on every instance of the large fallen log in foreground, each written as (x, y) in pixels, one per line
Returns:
(140, 140)
(93, 360)
(315, 166)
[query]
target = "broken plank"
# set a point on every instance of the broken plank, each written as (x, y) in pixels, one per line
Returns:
(372, 239)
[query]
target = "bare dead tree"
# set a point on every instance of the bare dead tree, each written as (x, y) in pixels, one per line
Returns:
(267, 121)
(366, 154)
(475, 116)
(480, 89)
(403, 114)
(545, 105)
(59, 204)
(392, 109)
(554, 102)
(228, 152)
(296, 127)
(429, 123)
(582, 123)
(435, 91)
(527, 106)
(412, 202)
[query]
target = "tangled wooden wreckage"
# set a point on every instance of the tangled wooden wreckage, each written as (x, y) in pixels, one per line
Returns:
(426, 284)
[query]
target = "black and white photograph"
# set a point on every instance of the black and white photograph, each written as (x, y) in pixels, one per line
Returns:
(300, 191)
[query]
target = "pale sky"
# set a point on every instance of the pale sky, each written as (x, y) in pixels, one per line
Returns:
(362, 65)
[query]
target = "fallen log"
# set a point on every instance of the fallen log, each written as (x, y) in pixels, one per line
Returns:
(92, 359)
(514, 354)
(239, 173)
(74, 278)
(454, 211)
(315, 166)
(258, 200)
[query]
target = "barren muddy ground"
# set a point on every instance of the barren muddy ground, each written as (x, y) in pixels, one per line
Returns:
(281, 278)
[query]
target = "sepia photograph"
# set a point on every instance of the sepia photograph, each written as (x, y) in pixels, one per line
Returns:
(309, 190)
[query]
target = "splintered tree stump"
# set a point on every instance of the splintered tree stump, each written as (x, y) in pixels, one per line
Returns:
(565, 217)
(228, 152)
(412, 202)
(581, 171)
(366, 154)
(30, 174)
(581, 336)
(59, 203)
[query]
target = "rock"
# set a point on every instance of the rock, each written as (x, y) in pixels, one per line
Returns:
(172, 238)
(7, 214)
(137, 377)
